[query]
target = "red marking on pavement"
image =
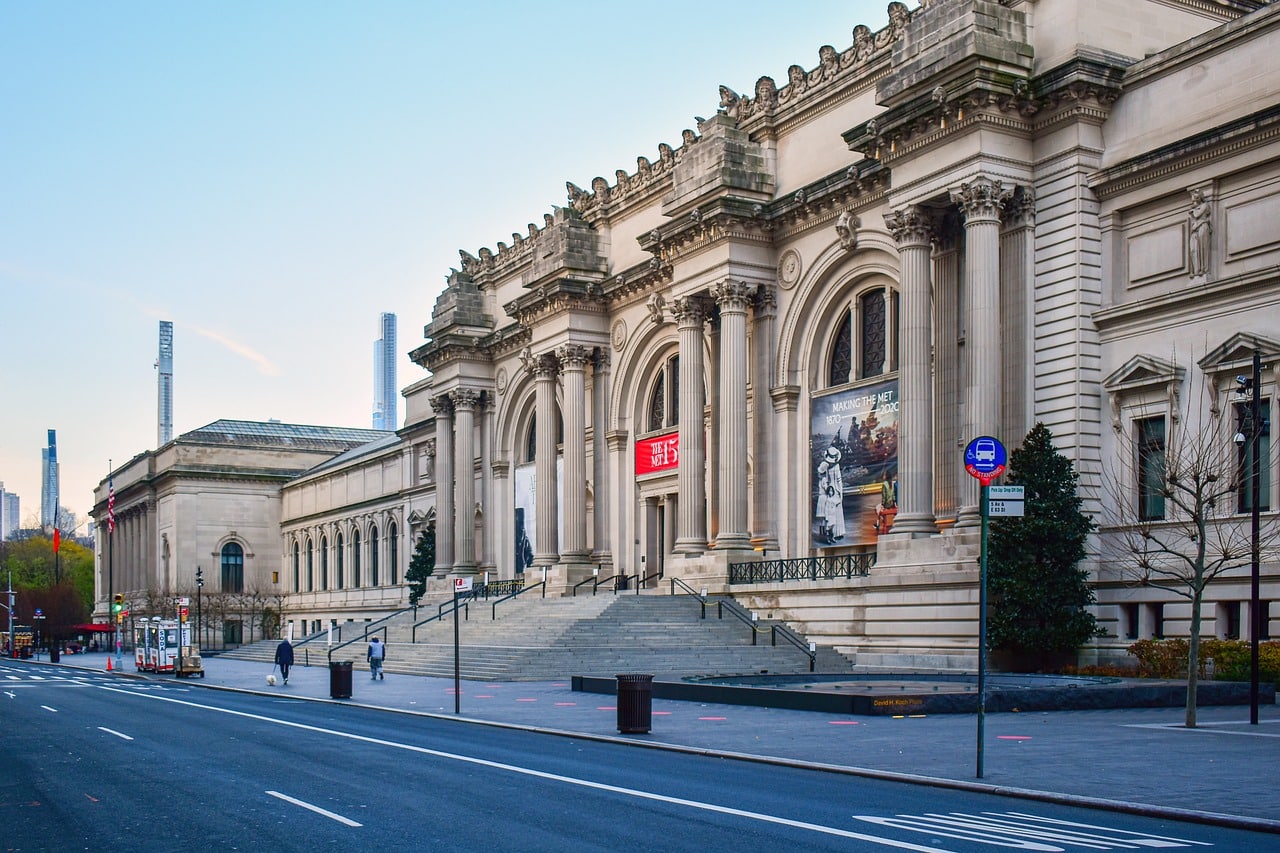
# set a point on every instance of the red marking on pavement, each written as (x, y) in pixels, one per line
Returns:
(559, 685)
(92, 799)
(661, 713)
(565, 704)
(1012, 737)
(453, 692)
(713, 718)
(483, 696)
(526, 700)
(607, 708)
(843, 722)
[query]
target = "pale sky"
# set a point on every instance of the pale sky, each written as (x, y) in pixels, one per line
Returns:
(271, 176)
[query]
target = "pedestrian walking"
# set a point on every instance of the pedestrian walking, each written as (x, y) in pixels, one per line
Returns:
(376, 654)
(284, 658)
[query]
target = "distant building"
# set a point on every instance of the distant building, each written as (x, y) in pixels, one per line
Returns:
(384, 374)
(164, 385)
(9, 514)
(49, 482)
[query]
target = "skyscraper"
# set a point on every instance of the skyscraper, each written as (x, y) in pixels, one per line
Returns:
(49, 482)
(164, 385)
(384, 374)
(9, 514)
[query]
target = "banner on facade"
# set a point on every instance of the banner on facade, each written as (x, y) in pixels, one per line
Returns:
(853, 462)
(525, 520)
(658, 453)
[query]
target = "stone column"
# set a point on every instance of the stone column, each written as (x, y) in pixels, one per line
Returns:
(980, 203)
(443, 407)
(490, 505)
(573, 365)
(464, 454)
(691, 479)
(547, 552)
(1017, 277)
(912, 230)
(601, 553)
(733, 297)
(711, 423)
(764, 526)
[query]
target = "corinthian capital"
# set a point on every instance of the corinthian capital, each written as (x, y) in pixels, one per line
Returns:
(688, 310)
(981, 198)
(442, 405)
(910, 225)
(464, 398)
(733, 295)
(573, 356)
(545, 366)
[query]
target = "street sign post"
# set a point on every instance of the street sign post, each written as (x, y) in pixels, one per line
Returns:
(1006, 501)
(985, 459)
(460, 585)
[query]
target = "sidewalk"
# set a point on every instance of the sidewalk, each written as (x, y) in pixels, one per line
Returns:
(1139, 759)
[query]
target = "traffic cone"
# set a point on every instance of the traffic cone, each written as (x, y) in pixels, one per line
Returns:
(108, 663)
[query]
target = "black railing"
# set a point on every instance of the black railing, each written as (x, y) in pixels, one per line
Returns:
(644, 581)
(803, 569)
(688, 590)
(520, 591)
(382, 631)
(442, 611)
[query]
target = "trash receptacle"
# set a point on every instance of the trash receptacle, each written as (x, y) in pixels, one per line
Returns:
(635, 704)
(55, 653)
(340, 679)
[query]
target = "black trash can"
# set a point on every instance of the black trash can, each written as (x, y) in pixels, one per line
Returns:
(635, 704)
(55, 653)
(340, 679)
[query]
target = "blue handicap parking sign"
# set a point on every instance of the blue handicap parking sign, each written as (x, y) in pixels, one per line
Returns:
(985, 458)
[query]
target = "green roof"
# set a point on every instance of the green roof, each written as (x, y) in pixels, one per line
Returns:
(273, 434)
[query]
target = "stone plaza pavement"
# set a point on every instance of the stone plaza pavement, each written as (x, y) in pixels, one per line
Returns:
(1141, 760)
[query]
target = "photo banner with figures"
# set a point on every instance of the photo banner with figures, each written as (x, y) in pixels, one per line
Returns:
(853, 464)
(525, 520)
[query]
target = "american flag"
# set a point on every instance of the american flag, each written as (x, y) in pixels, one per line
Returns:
(111, 505)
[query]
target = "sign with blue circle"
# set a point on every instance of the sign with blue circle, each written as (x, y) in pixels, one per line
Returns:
(985, 459)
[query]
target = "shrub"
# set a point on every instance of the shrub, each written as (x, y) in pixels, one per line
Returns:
(1168, 659)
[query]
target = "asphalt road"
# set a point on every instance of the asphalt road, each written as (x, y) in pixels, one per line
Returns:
(91, 762)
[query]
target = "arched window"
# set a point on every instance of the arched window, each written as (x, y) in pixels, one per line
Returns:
(311, 565)
(394, 543)
(297, 568)
(373, 555)
(324, 562)
(338, 565)
(232, 568)
(531, 445)
(355, 557)
(865, 339)
(664, 399)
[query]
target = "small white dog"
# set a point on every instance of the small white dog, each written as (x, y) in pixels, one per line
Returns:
(271, 679)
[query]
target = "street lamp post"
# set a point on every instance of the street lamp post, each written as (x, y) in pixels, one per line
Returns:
(199, 586)
(1251, 437)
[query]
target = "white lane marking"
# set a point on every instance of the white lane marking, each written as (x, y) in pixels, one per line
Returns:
(37, 678)
(339, 818)
(1206, 729)
(553, 777)
(1020, 831)
(11, 695)
(47, 708)
(113, 732)
(14, 677)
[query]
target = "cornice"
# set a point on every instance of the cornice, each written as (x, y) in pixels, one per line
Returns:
(562, 296)
(1140, 315)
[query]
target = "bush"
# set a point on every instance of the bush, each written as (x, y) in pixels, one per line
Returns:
(1168, 659)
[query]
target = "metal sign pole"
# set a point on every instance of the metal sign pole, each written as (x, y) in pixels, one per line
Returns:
(457, 661)
(982, 626)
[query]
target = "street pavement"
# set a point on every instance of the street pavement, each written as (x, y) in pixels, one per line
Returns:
(1136, 760)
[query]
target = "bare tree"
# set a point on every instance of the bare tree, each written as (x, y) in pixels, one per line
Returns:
(1174, 514)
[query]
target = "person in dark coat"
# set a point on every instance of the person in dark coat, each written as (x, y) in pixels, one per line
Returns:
(284, 658)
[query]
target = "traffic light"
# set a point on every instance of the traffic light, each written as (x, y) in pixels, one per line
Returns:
(117, 603)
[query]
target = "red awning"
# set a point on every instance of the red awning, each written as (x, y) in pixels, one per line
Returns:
(95, 628)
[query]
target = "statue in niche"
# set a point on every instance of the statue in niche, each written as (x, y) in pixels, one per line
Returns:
(1200, 229)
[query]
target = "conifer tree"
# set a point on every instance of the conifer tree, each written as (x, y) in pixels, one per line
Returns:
(1039, 597)
(422, 565)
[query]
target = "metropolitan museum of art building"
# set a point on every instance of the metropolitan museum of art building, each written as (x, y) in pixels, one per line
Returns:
(752, 360)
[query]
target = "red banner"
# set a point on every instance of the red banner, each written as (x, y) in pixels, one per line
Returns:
(660, 453)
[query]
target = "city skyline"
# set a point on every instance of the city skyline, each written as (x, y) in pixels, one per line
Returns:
(385, 390)
(264, 178)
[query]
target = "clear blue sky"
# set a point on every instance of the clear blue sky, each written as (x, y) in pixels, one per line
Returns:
(270, 176)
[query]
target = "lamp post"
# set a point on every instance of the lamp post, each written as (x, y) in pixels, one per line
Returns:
(1251, 437)
(199, 587)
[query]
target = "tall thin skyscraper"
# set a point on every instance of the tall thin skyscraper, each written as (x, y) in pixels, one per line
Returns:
(384, 374)
(9, 514)
(49, 482)
(164, 385)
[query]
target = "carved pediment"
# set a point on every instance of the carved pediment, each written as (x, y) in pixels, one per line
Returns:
(1143, 371)
(1235, 355)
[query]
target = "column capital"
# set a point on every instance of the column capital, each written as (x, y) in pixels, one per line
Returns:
(573, 356)
(981, 199)
(689, 311)
(442, 404)
(766, 303)
(910, 226)
(733, 295)
(601, 360)
(1020, 210)
(545, 366)
(464, 398)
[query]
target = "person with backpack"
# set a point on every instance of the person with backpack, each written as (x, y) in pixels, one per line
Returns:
(375, 655)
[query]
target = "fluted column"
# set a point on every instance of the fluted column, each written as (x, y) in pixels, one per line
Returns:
(733, 297)
(912, 230)
(573, 366)
(548, 510)
(980, 203)
(601, 552)
(691, 479)
(764, 525)
(464, 454)
(444, 484)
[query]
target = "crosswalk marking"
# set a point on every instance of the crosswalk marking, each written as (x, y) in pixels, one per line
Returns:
(1021, 831)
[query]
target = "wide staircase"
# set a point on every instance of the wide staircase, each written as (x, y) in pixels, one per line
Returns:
(536, 639)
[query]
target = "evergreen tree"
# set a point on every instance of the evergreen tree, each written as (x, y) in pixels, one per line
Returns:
(422, 565)
(1039, 598)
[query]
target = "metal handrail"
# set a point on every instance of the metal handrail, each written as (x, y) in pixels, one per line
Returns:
(465, 606)
(702, 599)
(324, 632)
(542, 584)
(740, 612)
(641, 581)
(843, 566)
(594, 581)
(795, 639)
(333, 649)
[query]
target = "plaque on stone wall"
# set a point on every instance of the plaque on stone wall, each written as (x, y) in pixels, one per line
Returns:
(789, 269)
(619, 334)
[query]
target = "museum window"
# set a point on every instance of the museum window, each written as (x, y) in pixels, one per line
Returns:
(1229, 619)
(310, 566)
(297, 568)
(531, 445)
(863, 344)
(393, 544)
(1150, 440)
(338, 564)
(1244, 457)
(1132, 622)
(232, 632)
(324, 562)
(1264, 607)
(232, 568)
(664, 399)
(355, 557)
(373, 555)
(1157, 621)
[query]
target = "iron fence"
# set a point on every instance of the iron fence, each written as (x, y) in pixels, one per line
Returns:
(803, 569)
